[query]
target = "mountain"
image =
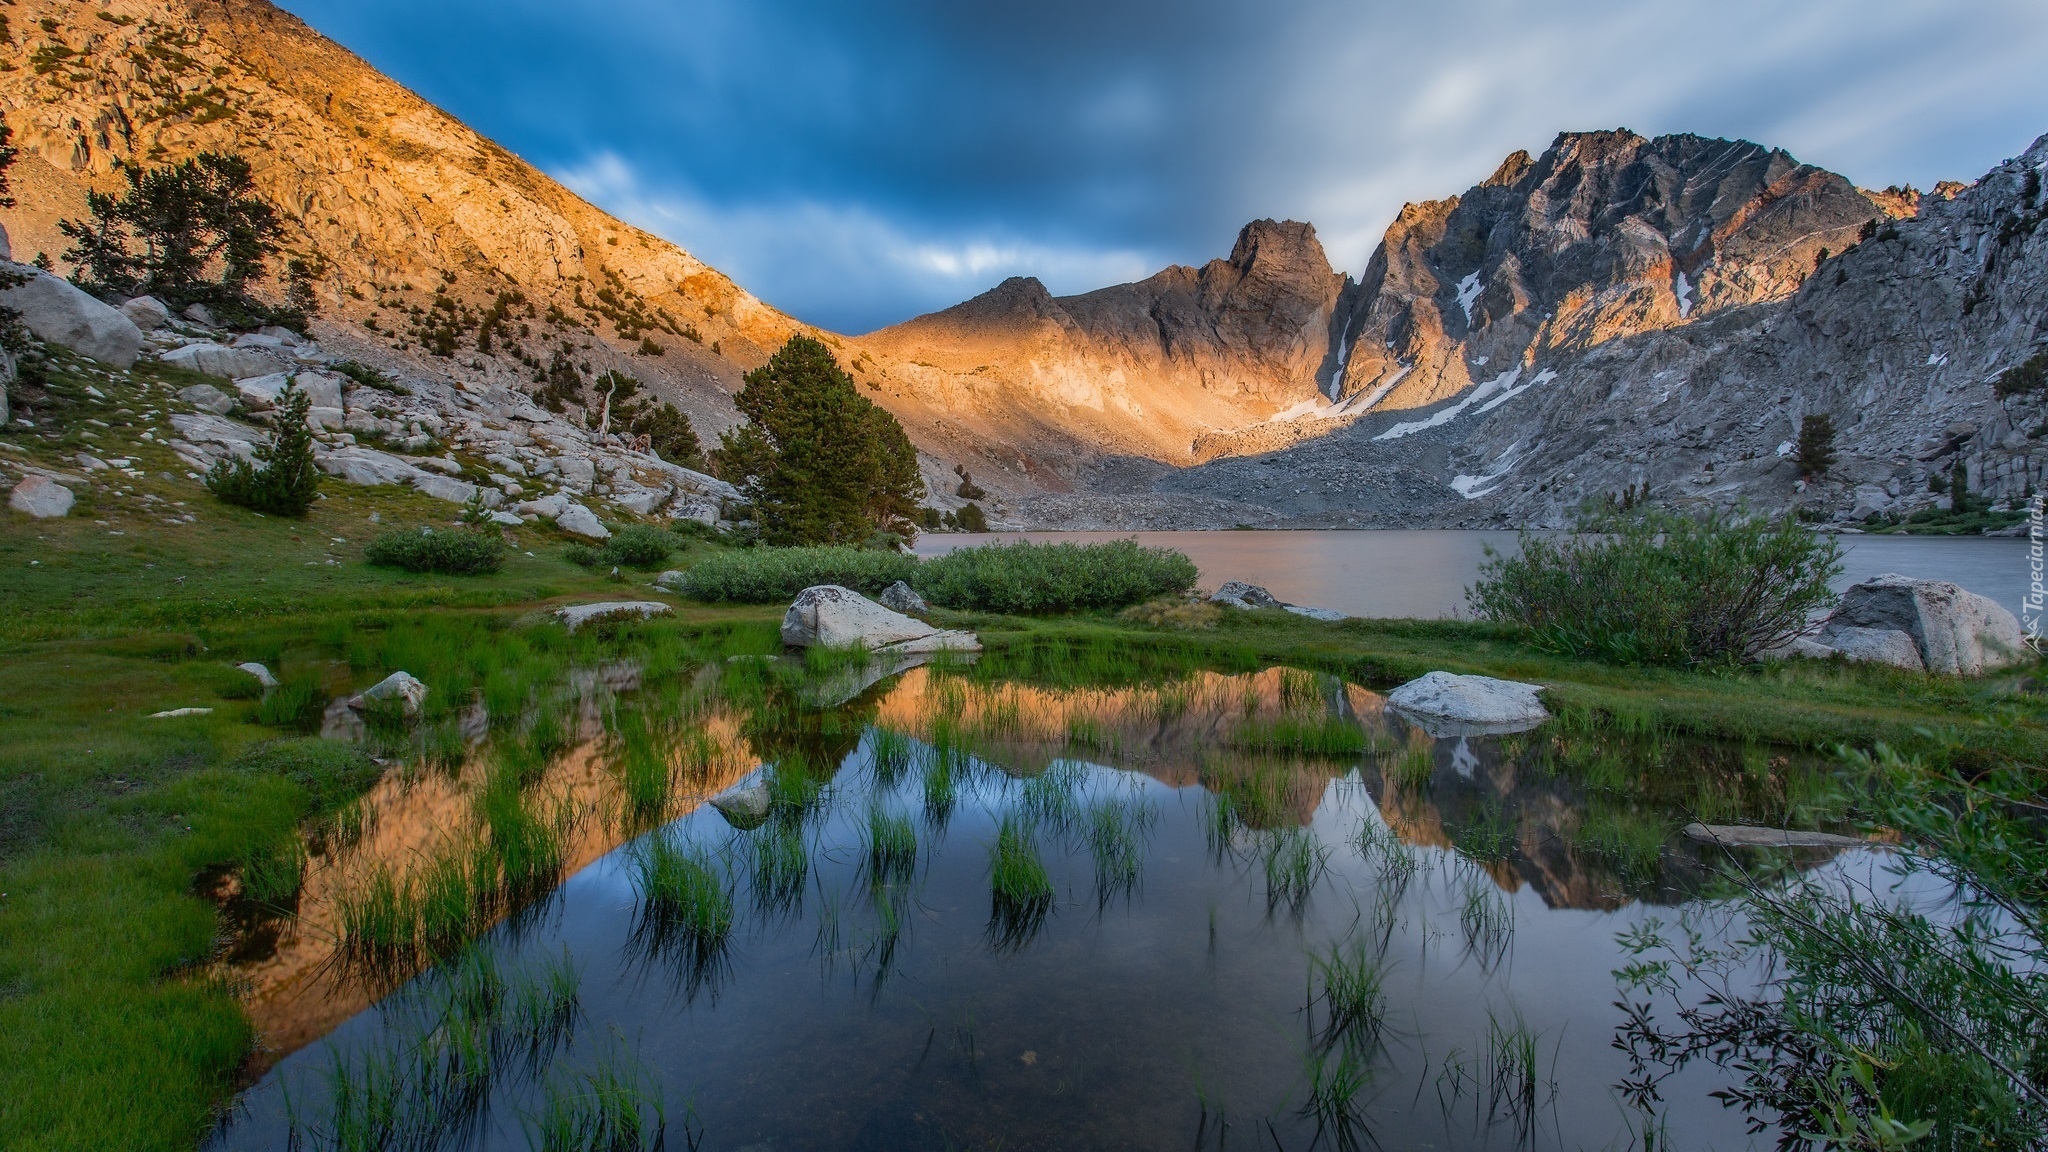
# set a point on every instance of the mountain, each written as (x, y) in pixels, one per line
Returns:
(1898, 335)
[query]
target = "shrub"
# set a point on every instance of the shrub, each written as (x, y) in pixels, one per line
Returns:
(1028, 578)
(451, 552)
(1657, 587)
(634, 546)
(369, 377)
(766, 575)
(283, 478)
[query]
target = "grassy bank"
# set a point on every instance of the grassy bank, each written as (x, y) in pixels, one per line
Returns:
(109, 820)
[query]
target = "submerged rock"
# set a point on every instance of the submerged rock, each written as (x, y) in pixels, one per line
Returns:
(901, 597)
(744, 806)
(1747, 836)
(1469, 705)
(40, 497)
(577, 615)
(400, 690)
(829, 616)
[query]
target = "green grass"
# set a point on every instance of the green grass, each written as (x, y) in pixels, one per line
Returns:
(1295, 861)
(1332, 737)
(452, 552)
(891, 846)
(1117, 830)
(1020, 889)
(1352, 982)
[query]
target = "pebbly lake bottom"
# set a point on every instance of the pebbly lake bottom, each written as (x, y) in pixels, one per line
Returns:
(958, 911)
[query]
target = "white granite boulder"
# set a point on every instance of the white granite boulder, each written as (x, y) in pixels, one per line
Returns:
(828, 616)
(59, 313)
(1951, 631)
(147, 313)
(207, 398)
(577, 615)
(220, 360)
(580, 521)
(1238, 594)
(1447, 703)
(40, 497)
(263, 675)
(400, 692)
(260, 393)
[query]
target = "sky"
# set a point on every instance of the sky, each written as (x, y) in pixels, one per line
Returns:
(859, 164)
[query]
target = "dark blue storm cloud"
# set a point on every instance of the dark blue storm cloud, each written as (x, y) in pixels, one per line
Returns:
(856, 164)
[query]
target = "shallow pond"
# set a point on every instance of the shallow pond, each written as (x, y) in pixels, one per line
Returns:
(1423, 573)
(954, 910)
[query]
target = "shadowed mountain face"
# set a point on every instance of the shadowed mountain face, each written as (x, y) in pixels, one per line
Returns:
(1144, 368)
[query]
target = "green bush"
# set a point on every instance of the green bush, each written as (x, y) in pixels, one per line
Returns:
(1656, 587)
(634, 546)
(453, 552)
(282, 480)
(1028, 578)
(766, 575)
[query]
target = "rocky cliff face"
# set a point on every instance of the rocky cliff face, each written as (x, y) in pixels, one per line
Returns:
(1898, 336)
(1145, 369)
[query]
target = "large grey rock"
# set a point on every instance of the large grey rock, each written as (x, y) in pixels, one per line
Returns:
(40, 497)
(1956, 633)
(400, 692)
(444, 487)
(1470, 704)
(58, 313)
(1326, 615)
(901, 597)
(206, 398)
(1238, 594)
(366, 466)
(581, 521)
(147, 313)
(260, 393)
(220, 360)
(577, 615)
(1873, 646)
(829, 616)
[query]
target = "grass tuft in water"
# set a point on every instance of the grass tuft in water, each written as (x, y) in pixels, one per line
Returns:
(1331, 737)
(613, 1106)
(273, 872)
(686, 908)
(892, 847)
(1117, 830)
(1048, 799)
(1511, 1076)
(1020, 888)
(1353, 979)
(1295, 861)
(1489, 835)
(781, 864)
(891, 753)
(1485, 916)
(1337, 1079)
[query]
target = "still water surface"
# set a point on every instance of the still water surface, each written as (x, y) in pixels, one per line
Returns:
(1162, 997)
(1424, 573)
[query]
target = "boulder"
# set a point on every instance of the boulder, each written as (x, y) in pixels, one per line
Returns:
(147, 313)
(901, 597)
(1238, 594)
(200, 314)
(1874, 646)
(581, 521)
(174, 713)
(744, 806)
(547, 506)
(220, 360)
(400, 691)
(261, 674)
(260, 393)
(1469, 705)
(206, 398)
(40, 497)
(829, 616)
(1955, 632)
(58, 313)
(366, 466)
(444, 487)
(1327, 615)
(577, 615)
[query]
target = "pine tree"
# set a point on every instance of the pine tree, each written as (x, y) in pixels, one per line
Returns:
(191, 218)
(1816, 451)
(283, 479)
(821, 463)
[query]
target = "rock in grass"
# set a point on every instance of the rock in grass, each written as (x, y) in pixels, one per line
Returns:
(1326, 615)
(147, 313)
(744, 806)
(400, 691)
(828, 616)
(58, 313)
(1238, 594)
(1873, 646)
(174, 713)
(207, 398)
(577, 615)
(1470, 704)
(581, 521)
(40, 497)
(261, 674)
(1956, 633)
(1746, 836)
(901, 597)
